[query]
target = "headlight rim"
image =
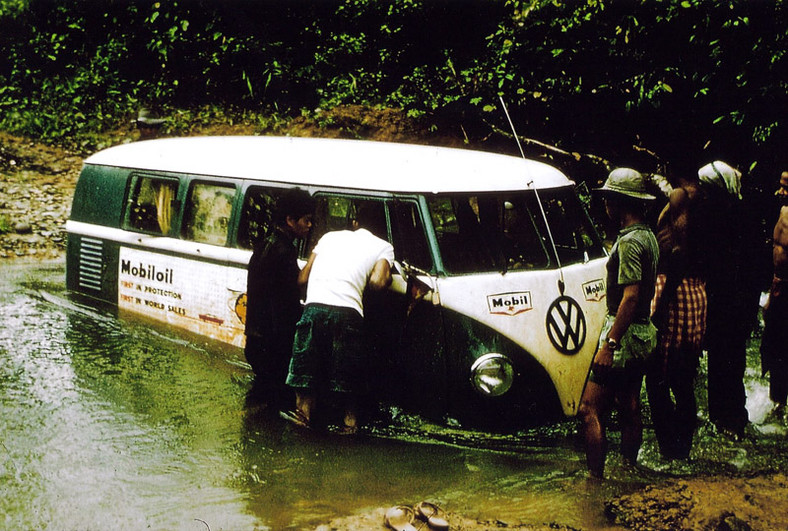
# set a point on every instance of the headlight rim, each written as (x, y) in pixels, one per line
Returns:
(509, 371)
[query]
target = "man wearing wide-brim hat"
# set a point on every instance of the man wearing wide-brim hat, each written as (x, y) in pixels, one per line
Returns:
(628, 337)
(625, 182)
(148, 125)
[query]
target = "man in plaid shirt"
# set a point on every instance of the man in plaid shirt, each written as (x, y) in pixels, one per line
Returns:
(679, 312)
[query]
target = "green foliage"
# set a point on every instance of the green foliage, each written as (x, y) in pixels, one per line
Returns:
(5, 224)
(675, 76)
(688, 79)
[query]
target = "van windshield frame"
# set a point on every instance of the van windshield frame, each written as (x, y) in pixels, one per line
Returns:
(506, 231)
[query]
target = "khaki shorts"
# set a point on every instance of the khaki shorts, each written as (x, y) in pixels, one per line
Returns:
(635, 347)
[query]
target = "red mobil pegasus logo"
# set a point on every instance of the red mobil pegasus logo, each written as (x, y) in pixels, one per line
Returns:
(594, 290)
(510, 303)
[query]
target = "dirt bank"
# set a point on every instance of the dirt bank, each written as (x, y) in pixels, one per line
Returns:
(713, 503)
(36, 188)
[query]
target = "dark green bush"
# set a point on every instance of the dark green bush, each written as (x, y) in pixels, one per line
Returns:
(687, 80)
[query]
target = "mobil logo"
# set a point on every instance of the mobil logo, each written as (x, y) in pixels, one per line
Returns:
(510, 303)
(594, 290)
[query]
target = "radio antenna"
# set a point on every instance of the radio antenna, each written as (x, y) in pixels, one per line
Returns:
(561, 283)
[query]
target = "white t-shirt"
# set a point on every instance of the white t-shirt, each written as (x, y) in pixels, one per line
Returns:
(342, 266)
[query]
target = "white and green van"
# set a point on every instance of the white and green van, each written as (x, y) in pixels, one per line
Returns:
(498, 292)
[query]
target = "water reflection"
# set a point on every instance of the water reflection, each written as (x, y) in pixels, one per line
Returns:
(111, 423)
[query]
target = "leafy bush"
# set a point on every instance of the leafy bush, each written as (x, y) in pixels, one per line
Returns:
(688, 80)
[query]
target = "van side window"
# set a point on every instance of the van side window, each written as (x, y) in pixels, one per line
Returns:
(410, 242)
(257, 215)
(208, 210)
(150, 206)
(335, 212)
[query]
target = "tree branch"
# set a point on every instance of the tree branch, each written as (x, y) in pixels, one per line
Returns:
(553, 149)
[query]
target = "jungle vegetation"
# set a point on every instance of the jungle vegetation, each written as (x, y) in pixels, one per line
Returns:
(649, 82)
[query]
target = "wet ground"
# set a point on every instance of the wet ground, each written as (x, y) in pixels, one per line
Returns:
(111, 423)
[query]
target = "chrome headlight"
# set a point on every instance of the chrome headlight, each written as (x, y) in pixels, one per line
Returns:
(492, 374)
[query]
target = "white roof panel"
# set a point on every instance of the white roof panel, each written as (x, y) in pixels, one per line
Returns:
(354, 164)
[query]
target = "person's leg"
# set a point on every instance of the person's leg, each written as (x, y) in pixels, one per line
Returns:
(349, 362)
(628, 399)
(270, 363)
(717, 335)
(683, 385)
(727, 396)
(252, 353)
(778, 385)
(660, 403)
(593, 408)
(350, 420)
(305, 403)
(774, 355)
(305, 364)
(727, 357)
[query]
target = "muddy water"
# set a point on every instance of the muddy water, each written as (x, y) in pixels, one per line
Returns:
(110, 423)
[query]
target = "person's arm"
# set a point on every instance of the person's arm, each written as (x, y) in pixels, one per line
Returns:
(380, 277)
(303, 275)
(780, 249)
(624, 317)
(673, 221)
(779, 255)
(679, 217)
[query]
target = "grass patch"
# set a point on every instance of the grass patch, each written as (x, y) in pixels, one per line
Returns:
(5, 224)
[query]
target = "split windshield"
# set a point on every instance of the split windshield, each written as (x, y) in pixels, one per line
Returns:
(507, 232)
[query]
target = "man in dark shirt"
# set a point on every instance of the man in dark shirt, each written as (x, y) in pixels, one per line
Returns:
(731, 240)
(274, 297)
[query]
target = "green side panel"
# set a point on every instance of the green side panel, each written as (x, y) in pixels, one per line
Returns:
(92, 267)
(531, 401)
(99, 195)
(91, 263)
(72, 264)
(421, 358)
(436, 350)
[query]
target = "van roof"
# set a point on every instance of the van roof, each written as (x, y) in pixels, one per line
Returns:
(356, 164)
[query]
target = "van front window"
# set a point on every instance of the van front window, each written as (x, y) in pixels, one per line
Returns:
(507, 232)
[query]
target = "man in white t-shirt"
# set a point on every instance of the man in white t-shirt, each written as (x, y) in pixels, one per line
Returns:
(329, 351)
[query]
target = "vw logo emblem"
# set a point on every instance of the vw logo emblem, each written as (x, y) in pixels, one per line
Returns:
(566, 325)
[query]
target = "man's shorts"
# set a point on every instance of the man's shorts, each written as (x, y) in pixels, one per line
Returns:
(629, 360)
(329, 350)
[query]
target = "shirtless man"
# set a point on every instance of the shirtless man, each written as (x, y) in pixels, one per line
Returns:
(679, 311)
(774, 344)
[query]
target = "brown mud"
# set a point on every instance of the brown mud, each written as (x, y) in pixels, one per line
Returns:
(36, 187)
(713, 503)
